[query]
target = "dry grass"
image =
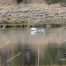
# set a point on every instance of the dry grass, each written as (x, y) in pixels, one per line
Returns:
(36, 6)
(39, 6)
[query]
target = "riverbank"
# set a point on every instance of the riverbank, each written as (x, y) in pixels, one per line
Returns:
(34, 13)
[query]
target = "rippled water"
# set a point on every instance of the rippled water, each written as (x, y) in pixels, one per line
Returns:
(15, 42)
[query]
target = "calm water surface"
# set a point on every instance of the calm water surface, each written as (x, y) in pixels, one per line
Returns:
(10, 39)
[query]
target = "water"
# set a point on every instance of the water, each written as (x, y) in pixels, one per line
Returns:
(15, 42)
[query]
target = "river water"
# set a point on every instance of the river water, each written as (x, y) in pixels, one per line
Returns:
(35, 40)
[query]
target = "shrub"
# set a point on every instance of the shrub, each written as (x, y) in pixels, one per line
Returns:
(55, 1)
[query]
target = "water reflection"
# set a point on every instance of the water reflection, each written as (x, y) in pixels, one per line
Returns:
(54, 54)
(35, 31)
(20, 47)
(29, 57)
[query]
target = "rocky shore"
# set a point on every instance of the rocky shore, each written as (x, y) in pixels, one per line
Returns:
(33, 12)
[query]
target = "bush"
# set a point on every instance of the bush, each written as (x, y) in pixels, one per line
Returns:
(23, 1)
(55, 1)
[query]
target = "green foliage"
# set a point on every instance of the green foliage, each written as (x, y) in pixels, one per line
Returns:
(23, 1)
(27, 1)
(54, 1)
